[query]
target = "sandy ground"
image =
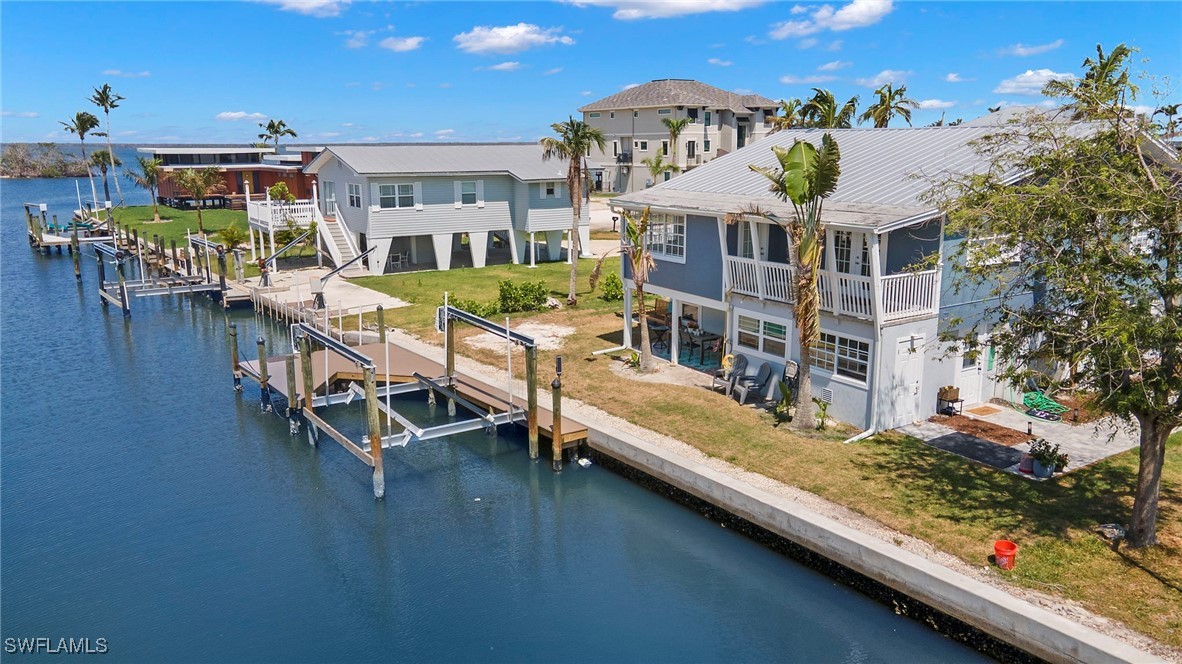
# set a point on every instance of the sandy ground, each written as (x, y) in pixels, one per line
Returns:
(548, 337)
(983, 573)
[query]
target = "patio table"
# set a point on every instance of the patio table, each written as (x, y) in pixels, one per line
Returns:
(703, 339)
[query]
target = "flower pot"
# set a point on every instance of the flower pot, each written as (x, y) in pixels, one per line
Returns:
(1043, 471)
(1026, 465)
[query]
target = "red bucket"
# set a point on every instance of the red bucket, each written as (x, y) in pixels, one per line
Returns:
(1005, 553)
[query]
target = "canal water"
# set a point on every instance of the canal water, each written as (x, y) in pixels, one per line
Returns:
(147, 504)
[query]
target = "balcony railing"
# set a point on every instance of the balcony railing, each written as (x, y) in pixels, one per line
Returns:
(904, 295)
(624, 158)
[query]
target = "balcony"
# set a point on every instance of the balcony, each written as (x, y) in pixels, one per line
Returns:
(903, 295)
(624, 158)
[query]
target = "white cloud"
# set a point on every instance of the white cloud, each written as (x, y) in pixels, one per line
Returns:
(720, 62)
(551, 72)
(805, 80)
(1023, 50)
(126, 74)
(936, 103)
(330, 134)
(1141, 109)
(856, 14)
(834, 45)
(357, 38)
(883, 77)
(953, 77)
(19, 114)
(509, 38)
(417, 134)
(317, 8)
(631, 10)
(235, 116)
(834, 66)
(443, 132)
(585, 93)
(348, 124)
(630, 86)
(809, 42)
(1030, 82)
(798, 9)
(402, 44)
(503, 66)
(378, 86)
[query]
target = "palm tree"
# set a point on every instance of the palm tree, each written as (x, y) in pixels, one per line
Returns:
(822, 111)
(805, 178)
(80, 125)
(148, 177)
(106, 99)
(657, 165)
(1101, 89)
(790, 115)
(574, 141)
(273, 130)
(675, 128)
(199, 183)
(891, 102)
(1170, 128)
(635, 249)
(101, 159)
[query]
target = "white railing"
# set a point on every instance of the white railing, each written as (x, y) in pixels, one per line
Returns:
(344, 229)
(273, 215)
(744, 274)
(824, 292)
(907, 295)
(846, 294)
(779, 281)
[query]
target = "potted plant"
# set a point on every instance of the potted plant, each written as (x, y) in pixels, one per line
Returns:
(1047, 458)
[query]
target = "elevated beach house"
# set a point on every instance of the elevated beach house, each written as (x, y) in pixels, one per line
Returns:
(242, 169)
(885, 282)
(437, 206)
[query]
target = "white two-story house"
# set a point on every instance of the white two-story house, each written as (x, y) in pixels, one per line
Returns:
(885, 285)
(631, 121)
(437, 206)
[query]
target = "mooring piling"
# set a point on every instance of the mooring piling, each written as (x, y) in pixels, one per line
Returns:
(75, 250)
(306, 369)
(176, 264)
(450, 328)
(122, 287)
(222, 276)
(264, 389)
(531, 398)
(102, 277)
(381, 325)
(375, 432)
(293, 402)
(556, 408)
(234, 364)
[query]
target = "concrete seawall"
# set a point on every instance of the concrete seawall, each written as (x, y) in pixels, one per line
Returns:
(1033, 629)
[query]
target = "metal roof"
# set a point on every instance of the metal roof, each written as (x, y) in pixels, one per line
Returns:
(679, 92)
(521, 160)
(206, 150)
(883, 170)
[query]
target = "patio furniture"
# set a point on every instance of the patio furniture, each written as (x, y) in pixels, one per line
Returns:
(399, 260)
(658, 334)
(707, 340)
(725, 378)
(688, 343)
(757, 383)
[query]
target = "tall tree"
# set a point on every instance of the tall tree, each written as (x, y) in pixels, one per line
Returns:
(805, 178)
(822, 111)
(1170, 128)
(891, 101)
(635, 249)
(1097, 223)
(80, 125)
(102, 160)
(106, 99)
(574, 141)
(675, 128)
(199, 183)
(273, 130)
(789, 116)
(657, 165)
(148, 177)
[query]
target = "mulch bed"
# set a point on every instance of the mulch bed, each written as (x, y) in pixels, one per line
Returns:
(981, 429)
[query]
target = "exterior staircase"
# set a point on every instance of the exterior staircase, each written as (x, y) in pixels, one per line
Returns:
(336, 239)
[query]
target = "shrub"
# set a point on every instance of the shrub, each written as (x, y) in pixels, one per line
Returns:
(612, 287)
(528, 296)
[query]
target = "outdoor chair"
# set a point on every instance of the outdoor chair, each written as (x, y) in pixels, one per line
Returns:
(688, 343)
(725, 378)
(748, 384)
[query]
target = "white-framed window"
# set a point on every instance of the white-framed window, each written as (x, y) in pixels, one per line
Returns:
(611, 115)
(992, 250)
(593, 115)
(549, 190)
(746, 245)
(760, 335)
(615, 148)
(666, 236)
(707, 118)
(354, 191)
(664, 111)
(641, 145)
(665, 148)
(706, 145)
(635, 114)
(842, 356)
(843, 254)
(396, 196)
(468, 193)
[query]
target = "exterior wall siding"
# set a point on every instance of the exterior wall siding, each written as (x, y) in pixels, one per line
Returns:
(439, 213)
(354, 218)
(907, 246)
(701, 274)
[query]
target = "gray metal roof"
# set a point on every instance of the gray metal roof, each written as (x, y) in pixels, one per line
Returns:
(678, 92)
(883, 171)
(521, 160)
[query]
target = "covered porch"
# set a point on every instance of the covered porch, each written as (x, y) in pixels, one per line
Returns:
(685, 333)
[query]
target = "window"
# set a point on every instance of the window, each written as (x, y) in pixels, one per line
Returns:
(642, 146)
(550, 190)
(764, 336)
(665, 147)
(691, 149)
(615, 148)
(692, 114)
(842, 356)
(354, 195)
(746, 246)
(593, 115)
(707, 118)
(668, 174)
(706, 145)
(611, 115)
(664, 111)
(666, 236)
(468, 193)
(993, 250)
(635, 114)
(396, 196)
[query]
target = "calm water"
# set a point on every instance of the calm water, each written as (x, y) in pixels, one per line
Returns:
(145, 503)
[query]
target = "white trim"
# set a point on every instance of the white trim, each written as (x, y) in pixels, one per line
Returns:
(670, 294)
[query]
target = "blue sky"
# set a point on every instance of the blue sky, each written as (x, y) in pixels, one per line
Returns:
(341, 71)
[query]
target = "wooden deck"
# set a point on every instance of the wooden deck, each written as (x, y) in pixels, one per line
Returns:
(403, 364)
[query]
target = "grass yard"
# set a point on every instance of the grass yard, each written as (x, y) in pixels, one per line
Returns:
(958, 506)
(177, 222)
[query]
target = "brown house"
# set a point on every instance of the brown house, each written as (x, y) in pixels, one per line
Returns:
(255, 169)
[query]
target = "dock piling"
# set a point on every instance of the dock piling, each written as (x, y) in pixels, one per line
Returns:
(556, 428)
(293, 402)
(264, 389)
(102, 277)
(234, 365)
(375, 432)
(381, 324)
(451, 364)
(122, 287)
(306, 369)
(176, 264)
(222, 270)
(531, 396)
(75, 250)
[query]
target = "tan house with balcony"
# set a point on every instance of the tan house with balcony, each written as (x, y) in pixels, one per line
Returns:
(719, 122)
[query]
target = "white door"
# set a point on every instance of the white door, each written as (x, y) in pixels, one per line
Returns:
(908, 380)
(969, 377)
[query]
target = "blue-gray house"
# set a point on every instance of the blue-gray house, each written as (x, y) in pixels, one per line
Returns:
(885, 278)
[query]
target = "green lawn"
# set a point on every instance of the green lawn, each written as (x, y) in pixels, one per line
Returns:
(177, 221)
(956, 505)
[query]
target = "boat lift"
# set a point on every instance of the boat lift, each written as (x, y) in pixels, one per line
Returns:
(268, 263)
(319, 284)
